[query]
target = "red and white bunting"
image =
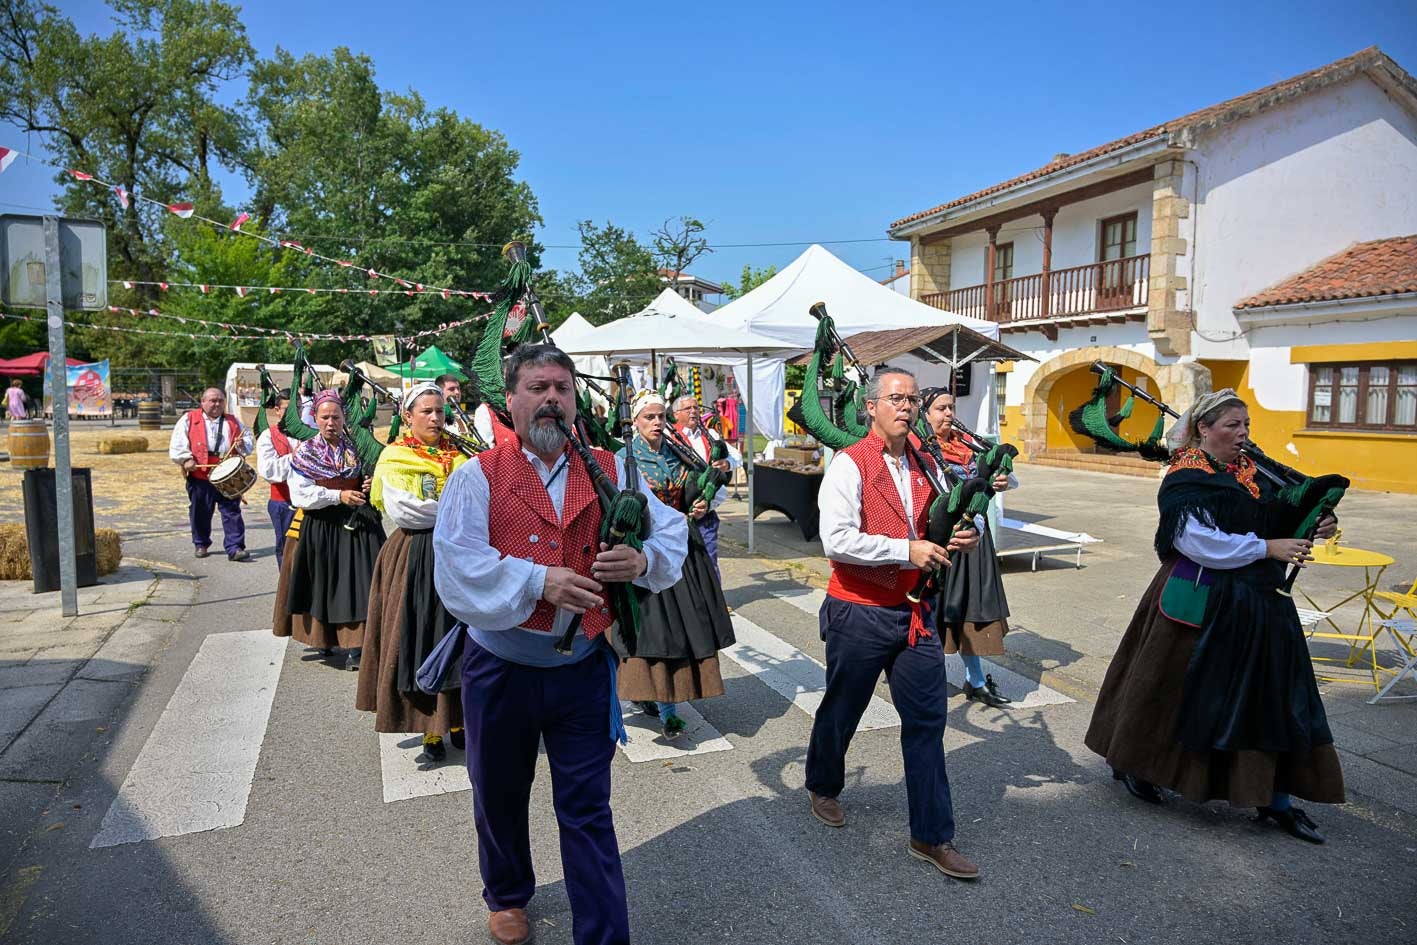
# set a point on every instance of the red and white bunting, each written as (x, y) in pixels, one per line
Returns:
(127, 284)
(241, 290)
(418, 286)
(7, 157)
(240, 219)
(206, 289)
(162, 286)
(122, 195)
(80, 175)
(345, 262)
(373, 274)
(402, 283)
(445, 294)
(274, 290)
(183, 210)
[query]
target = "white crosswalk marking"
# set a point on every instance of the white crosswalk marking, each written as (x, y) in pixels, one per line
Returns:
(647, 741)
(1026, 693)
(405, 778)
(180, 784)
(793, 674)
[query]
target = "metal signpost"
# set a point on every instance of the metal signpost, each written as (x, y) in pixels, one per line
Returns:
(50, 263)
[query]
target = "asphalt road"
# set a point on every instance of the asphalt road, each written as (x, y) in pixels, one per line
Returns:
(718, 845)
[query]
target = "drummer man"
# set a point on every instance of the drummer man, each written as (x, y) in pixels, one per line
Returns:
(200, 440)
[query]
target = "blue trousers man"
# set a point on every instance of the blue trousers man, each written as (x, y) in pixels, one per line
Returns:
(282, 514)
(509, 709)
(203, 500)
(862, 642)
(708, 528)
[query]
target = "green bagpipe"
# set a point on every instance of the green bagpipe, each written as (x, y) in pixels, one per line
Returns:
(704, 479)
(952, 509)
(1310, 499)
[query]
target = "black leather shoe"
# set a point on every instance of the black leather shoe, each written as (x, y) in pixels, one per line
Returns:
(1136, 787)
(459, 739)
(988, 693)
(433, 751)
(649, 708)
(1293, 821)
(242, 555)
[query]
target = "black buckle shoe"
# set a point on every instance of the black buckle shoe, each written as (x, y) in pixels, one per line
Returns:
(1136, 787)
(988, 693)
(1293, 821)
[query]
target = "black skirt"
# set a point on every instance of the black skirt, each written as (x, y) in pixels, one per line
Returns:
(973, 591)
(689, 620)
(334, 565)
(425, 620)
(1250, 682)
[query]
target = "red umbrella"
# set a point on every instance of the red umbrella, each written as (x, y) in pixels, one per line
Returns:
(30, 365)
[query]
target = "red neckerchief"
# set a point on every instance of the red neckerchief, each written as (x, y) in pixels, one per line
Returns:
(443, 452)
(955, 451)
(1193, 457)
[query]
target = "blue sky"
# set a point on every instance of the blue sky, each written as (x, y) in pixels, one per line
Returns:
(784, 122)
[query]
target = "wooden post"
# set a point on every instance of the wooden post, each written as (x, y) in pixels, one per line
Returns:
(1048, 215)
(989, 260)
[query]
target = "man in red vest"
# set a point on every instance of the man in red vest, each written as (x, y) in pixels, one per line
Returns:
(273, 451)
(200, 439)
(875, 505)
(517, 556)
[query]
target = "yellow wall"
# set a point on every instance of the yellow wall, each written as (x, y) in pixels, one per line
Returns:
(1074, 389)
(1384, 462)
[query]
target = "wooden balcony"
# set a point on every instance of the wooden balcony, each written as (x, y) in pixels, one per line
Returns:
(1095, 289)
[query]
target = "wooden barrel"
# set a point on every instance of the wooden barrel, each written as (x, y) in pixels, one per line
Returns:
(29, 444)
(150, 415)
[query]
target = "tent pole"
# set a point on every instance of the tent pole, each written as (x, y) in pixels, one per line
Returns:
(748, 452)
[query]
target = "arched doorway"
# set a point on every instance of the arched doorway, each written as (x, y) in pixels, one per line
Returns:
(1065, 382)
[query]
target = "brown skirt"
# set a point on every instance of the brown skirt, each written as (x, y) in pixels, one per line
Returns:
(378, 692)
(643, 680)
(976, 639)
(1134, 725)
(303, 627)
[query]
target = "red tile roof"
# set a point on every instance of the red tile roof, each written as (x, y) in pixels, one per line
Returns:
(1210, 117)
(1362, 271)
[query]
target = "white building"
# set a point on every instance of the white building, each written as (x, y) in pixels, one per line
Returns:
(1182, 254)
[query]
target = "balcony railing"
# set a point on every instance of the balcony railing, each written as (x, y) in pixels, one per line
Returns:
(1082, 290)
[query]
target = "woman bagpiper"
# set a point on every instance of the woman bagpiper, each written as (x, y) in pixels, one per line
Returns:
(972, 612)
(1211, 692)
(406, 618)
(682, 628)
(324, 583)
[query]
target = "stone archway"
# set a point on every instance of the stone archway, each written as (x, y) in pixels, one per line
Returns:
(1178, 384)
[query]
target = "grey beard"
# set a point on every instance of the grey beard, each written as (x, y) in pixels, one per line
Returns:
(545, 438)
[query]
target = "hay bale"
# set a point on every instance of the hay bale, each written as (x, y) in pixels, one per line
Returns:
(123, 443)
(15, 555)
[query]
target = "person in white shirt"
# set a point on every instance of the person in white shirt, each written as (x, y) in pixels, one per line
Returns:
(517, 558)
(273, 449)
(201, 438)
(874, 507)
(687, 421)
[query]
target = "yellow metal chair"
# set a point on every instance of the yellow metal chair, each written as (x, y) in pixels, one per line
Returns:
(1399, 602)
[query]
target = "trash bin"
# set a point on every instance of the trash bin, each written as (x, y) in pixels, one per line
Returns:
(42, 528)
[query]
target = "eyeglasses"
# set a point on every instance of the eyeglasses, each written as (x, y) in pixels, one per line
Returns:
(899, 400)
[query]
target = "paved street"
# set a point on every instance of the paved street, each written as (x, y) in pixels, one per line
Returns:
(230, 793)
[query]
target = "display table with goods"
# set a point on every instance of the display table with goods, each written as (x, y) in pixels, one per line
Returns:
(789, 488)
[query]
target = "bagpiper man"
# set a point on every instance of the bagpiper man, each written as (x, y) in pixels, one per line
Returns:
(690, 425)
(273, 451)
(199, 442)
(875, 503)
(517, 570)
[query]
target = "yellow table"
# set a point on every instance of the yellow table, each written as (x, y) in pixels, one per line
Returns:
(1373, 563)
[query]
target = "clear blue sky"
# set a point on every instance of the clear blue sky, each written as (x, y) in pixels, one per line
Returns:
(779, 122)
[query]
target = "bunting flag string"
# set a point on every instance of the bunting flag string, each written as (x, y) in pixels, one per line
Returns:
(413, 289)
(281, 332)
(186, 210)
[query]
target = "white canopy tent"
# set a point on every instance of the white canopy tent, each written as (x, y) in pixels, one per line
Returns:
(595, 365)
(779, 309)
(684, 331)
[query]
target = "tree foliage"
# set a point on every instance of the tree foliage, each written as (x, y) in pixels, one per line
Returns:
(618, 275)
(750, 280)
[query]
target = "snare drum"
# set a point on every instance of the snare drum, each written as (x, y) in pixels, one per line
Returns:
(232, 477)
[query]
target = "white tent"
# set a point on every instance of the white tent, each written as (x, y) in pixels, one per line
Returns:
(779, 309)
(243, 384)
(594, 364)
(681, 330)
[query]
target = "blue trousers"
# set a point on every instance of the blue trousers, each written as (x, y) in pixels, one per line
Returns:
(508, 708)
(202, 500)
(862, 642)
(708, 527)
(281, 514)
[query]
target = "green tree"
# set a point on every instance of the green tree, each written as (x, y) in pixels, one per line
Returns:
(678, 242)
(138, 107)
(750, 280)
(618, 276)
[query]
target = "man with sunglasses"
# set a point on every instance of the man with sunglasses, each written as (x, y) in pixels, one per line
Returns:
(874, 503)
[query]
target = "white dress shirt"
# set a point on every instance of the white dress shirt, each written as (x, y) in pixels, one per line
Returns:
(839, 504)
(272, 466)
(179, 449)
(408, 511)
(482, 422)
(305, 494)
(495, 594)
(1210, 547)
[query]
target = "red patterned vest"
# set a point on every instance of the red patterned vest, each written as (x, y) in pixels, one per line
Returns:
(197, 440)
(523, 522)
(280, 491)
(882, 513)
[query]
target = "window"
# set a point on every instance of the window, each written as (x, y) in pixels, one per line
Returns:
(1372, 396)
(1119, 238)
(1003, 261)
(1001, 391)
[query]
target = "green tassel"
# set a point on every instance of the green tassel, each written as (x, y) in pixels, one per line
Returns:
(814, 418)
(1127, 406)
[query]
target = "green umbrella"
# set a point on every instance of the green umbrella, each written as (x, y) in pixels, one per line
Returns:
(428, 365)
